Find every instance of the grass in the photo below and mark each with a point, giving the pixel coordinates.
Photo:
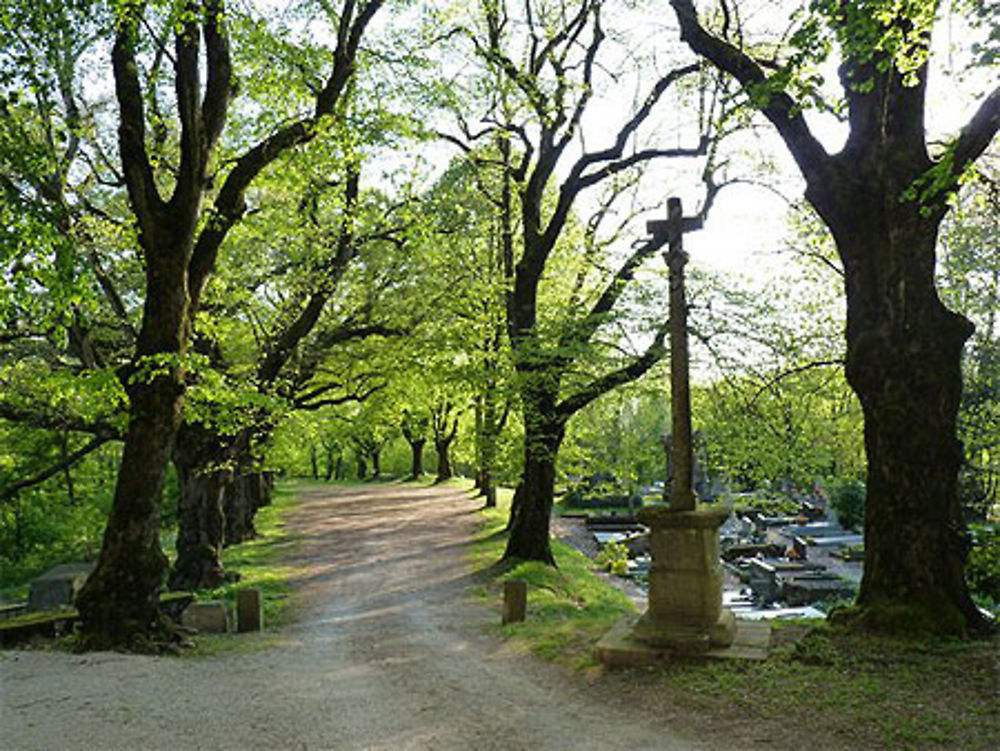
(829, 689)
(569, 608)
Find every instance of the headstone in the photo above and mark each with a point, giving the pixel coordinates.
(207, 617)
(515, 601)
(58, 587)
(249, 610)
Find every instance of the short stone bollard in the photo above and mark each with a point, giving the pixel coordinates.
(515, 601)
(249, 610)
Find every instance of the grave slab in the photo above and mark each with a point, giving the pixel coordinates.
(618, 648)
(58, 587)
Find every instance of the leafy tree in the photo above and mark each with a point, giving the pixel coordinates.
(883, 197)
(542, 69)
(179, 236)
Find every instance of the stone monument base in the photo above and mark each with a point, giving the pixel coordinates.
(618, 648)
(686, 638)
(685, 612)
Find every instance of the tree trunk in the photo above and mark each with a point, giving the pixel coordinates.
(376, 457)
(904, 350)
(417, 461)
(242, 498)
(362, 467)
(478, 433)
(314, 462)
(488, 449)
(201, 522)
(444, 471)
(530, 515)
(328, 475)
(119, 604)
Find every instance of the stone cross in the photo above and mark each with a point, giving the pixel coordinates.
(682, 497)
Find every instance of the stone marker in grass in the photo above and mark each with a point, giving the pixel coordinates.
(249, 610)
(515, 601)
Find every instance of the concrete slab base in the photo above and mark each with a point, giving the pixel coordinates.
(618, 649)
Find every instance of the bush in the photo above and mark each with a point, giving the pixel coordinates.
(982, 569)
(613, 557)
(848, 499)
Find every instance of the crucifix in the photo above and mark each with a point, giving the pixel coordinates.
(682, 497)
(684, 613)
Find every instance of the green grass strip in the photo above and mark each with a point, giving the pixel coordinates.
(569, 608)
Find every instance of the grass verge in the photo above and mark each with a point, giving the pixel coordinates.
(569, 608)
(829, 689)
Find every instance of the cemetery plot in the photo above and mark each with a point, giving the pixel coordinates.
(777, 566)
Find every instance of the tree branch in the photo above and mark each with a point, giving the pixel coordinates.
(778, 107)
(977, 134)
(10, 491)
(230, 204)
(653, 354)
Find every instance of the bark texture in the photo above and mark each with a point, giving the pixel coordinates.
(199, 458)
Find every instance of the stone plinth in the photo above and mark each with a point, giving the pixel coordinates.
(685, 612)
(206, 617)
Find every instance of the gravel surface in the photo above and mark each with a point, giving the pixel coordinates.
(391, 652)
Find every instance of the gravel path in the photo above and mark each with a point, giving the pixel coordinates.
(391, 653)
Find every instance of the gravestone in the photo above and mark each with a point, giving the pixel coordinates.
(58, 587)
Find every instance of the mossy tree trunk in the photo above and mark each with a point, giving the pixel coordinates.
(199, 457)
(532, 510)
(904, 350)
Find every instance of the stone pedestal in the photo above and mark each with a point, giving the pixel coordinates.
(685, 611)
(206, 617)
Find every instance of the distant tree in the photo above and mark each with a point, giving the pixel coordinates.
(444, 426)
(414, 427)
(970, 282)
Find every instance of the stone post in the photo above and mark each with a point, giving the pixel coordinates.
(249, 610)
(515, 601)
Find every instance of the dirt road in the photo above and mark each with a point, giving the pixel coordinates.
(391, 653)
